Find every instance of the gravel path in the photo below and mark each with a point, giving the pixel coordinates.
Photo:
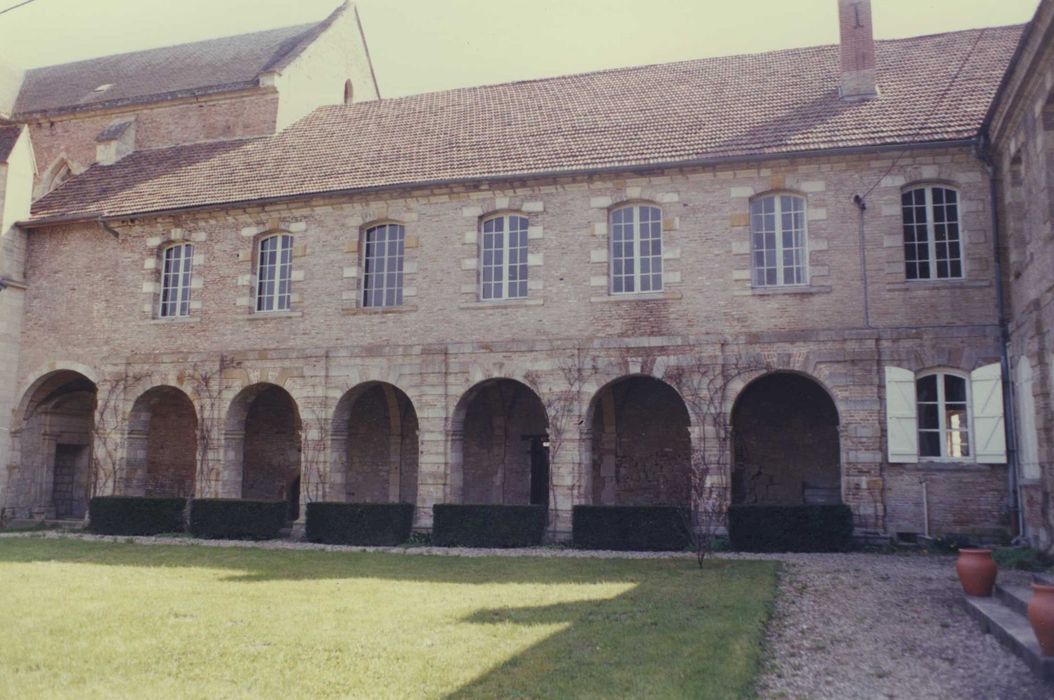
(845, 626)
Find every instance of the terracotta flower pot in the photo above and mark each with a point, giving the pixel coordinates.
(1041, 615)
(976, 571)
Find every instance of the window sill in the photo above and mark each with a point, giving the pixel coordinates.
(500, 303)
(642, 296)
(265, 315)
(947, 465)
(921, 285)
(175, 320)
(375, 310)
(791, 289)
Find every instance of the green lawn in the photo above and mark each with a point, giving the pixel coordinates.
(85, 619)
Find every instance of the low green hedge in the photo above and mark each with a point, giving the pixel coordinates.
(812, 528)
(236, 519)
(135, 515)
(366, 524)
(456, 525)
(631, 528)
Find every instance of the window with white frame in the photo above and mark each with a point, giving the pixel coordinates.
(636, 249)
(503, 257)
(932, 244)
(176, 268)
(274, 270)
(382, 263)
(943, 416)
(778, 240)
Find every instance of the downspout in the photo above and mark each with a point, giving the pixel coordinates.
(1009, 417)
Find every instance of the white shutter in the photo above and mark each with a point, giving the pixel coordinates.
(986, 388)
(902, 434)
(1027, 439)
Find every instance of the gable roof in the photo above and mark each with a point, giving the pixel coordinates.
(186, 70)
(8, 138)
(933, 89)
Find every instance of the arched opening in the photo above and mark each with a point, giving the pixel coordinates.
(642, 447)
(54, 447)
(374, 446)
(501, 445)
(162, 444)
(785, 437)
(265, 419)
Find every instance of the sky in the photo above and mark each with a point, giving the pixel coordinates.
(426, 45)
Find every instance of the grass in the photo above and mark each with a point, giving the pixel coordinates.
(87, 619)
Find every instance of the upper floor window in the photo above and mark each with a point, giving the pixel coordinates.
(503, 252)
(777, 233)
(177, 263)
(932, 247)
(943, 416)
(274, 269)
(636, 249)
(382, 263)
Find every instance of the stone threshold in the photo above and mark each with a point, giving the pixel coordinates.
(1004, 616)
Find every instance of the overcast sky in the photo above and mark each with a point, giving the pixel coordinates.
(425, 45)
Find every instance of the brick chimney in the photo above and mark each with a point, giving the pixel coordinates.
(858, 50)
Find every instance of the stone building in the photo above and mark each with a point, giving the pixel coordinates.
(778, 267)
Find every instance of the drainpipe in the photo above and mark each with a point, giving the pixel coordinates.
(1009, 418)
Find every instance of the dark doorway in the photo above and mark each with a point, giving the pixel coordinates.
(65, 494)
(539, 469)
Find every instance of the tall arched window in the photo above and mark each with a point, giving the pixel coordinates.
(503, 257)
(382, 262)
(177, 264)
(778, 240)
(943, 415)
(932, 246)
(274, 263)
(636, 249)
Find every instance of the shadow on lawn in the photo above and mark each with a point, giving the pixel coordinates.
(676, 631)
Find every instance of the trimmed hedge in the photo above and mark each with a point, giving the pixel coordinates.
(456, 525)
(134, 515)
(366, 524)
(812, 528)
(236, 519)
(631, 528)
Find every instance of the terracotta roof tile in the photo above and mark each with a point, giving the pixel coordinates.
(933, 88)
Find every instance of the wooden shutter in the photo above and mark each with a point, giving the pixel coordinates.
(986, 388)
(902, 430)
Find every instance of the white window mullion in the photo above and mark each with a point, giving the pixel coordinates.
(931, 232)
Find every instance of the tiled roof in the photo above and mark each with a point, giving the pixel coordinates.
(203, 67)
(8, 138)
(934, 88)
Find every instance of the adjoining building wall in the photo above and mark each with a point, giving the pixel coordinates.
(1022, 134)
(443, 341)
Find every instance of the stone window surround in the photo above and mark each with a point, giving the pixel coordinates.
(601, 206)
(470, 291)
(250, 255)
(352, 294)
(806, 247)
(153, 269)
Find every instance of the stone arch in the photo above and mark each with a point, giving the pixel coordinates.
(641, 443)
(499, 445)
(162, 444)
(374, 445)
(60, 170)
(786, 442)
(52, 446)
(262, 446)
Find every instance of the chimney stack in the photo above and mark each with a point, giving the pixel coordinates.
(858, 50)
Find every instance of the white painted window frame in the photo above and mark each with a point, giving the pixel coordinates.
(637, 255)
(275, 301)
(506, 265)
(777, 197)
(942, 428)
(390, 280)
(931, 232)
(178, 282)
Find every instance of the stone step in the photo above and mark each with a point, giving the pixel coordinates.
(1014, 597)
(1012, 629)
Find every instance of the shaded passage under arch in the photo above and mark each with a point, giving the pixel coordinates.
(375, 447)
(641, 444)
(162, 444)
(785, 432)
(503, 445)
(272, 447)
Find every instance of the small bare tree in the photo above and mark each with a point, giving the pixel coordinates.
(314, 455)
(207, 384)
(110, 432)
(562, 407)
(706, 388)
